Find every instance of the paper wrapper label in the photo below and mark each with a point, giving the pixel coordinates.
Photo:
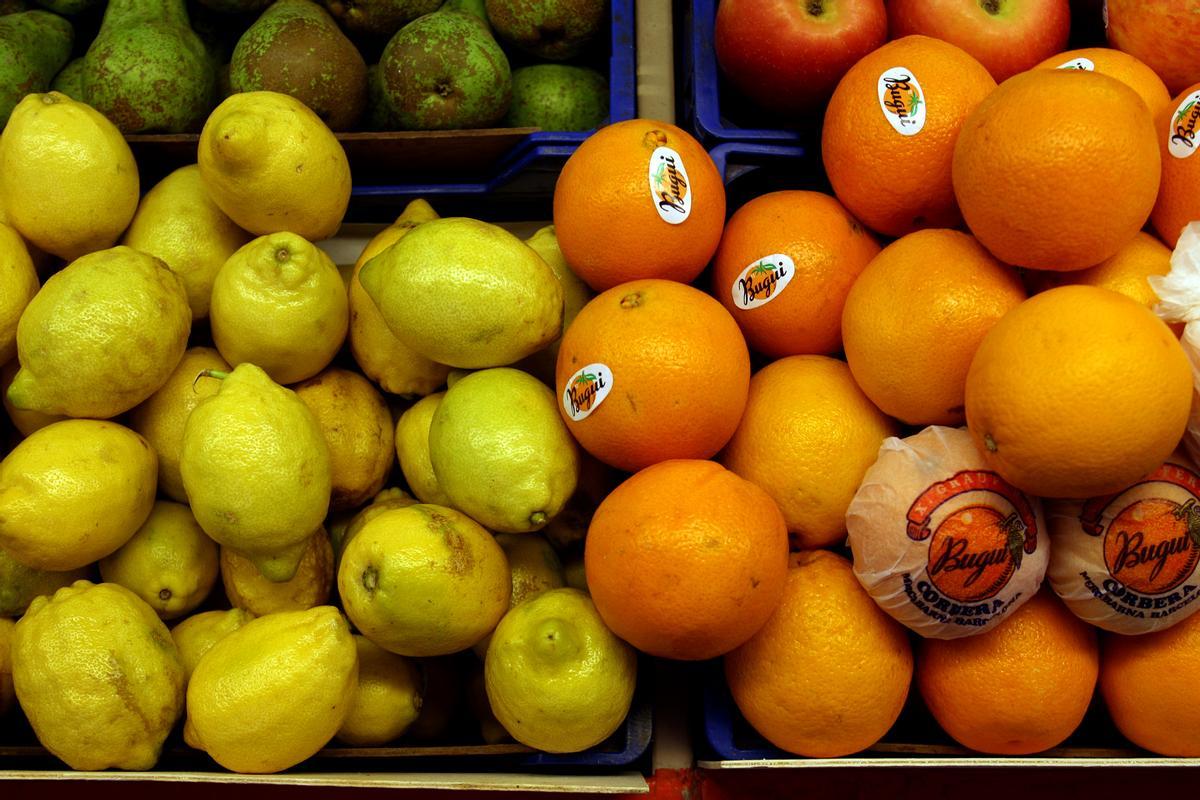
(943, 544)
(1130, 562)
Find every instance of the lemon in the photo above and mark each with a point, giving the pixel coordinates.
(8, 696)
(247, 588)
(197, 634)
(388, 698)
(178, 223)
(412, 450)
(18, 285)
(272, 165)
(466, 293)
(441, 695)
(534, 567)
(501, 451)
(98, 676)
(67, 176)
(256, 470)
(162, 416)
(273, 692)
(490, 729)
(23, 419)
(170, 563)
(576, 294)
(557, 678)
(74, 492)
(279, 303)
(424, 581)
(383, 358)
(20, 584)
(101, 336)
(358, 429)
(384, 501)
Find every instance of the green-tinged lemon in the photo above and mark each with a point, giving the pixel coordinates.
(246, 587)
(18, 285)
(575, 296)
(388, 699)
(412, 450)
(197, 634)
(24, 420)
(20, 584)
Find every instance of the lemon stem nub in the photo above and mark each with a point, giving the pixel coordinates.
(209, 373)
(537, 517)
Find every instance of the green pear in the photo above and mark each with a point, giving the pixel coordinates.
(379, 17)
(34, 45)
(69, 81)
(557, 97)
(551, 29)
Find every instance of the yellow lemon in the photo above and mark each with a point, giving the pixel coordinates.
(358, 429)
(384, 501)
(20, 584)
(424, 581)
(18, 285)
(576, 294)
(247, 588)
(197, 634)
(534, 567)
(67, 176)
(101, 336)
(388, 698)
(273, 692)
(24, 420)
(162, 416)
(74, 492)
(279, 303)
(179, 223)
(272, 165)
(412, 450)
(557, 678)
(170, 563)
(98, 676)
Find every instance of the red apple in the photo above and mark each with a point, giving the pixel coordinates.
(1163, 34)
(788, 55)
(1006, 36)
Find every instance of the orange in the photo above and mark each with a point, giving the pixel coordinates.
(1057, 169)
(1178, 202)
(807, 437)
(686, 560)
(887, 144)
(1115, 64)
(1151, 684)
(829, 672)
(1022, 688)
(651, 370)
(639, 199)
(916, 315)
(1078, 392)
(784, 266)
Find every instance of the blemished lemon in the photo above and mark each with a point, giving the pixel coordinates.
(18, 285)
(396, 367)
(170, 563)
(197, 634)
(273, 692)
(101, 336)
(179, 223)
(358, 429)
(74, 492)
(272, 165)
(23, 419)
(388, 698)
(424, 581)
(162, 416)
(535, 568)
(279, 303)
(67, 176)
(19, 584)
(557, 678)
(412, 450)
(123, 671)
(246, 587)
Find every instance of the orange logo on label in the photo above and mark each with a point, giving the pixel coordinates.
(1182, 135)
(586, 390)
(975, 550)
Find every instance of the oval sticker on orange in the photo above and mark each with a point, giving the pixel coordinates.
(762, 281)
(586, 390)
(669, 187)
(1182, 141)
(902, 100)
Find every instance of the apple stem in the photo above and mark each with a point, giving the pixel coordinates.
(209, 373)
(816, 7)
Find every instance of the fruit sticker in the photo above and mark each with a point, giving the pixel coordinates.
(762, 281)
(902, 101)
(586, 390)
(669, 187)
(1127, 562)
(1085, 64)
(1182, 141)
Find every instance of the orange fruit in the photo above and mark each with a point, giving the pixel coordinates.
(639, 199)
(1151, 684)
(807, 437)
(686, 560)
(1115, 64)
(887, 144)
(1078, 392)
(1022, 688)
(1178, 202)
(784, 266)
(652, 370)
(916, 315)
(828, 674)
(1057, 169)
